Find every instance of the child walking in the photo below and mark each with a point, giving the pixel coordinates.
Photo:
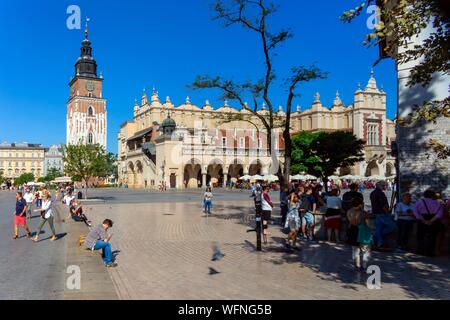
(293, 221)
(359, 235)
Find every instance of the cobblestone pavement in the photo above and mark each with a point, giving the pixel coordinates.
(28, 270)
(166, 250)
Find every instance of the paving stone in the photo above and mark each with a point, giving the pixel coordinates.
(169, 257)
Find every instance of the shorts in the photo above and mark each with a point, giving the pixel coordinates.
(20, 221)
(266, 215)
(363, 250)
(308, 219)
(333, 219)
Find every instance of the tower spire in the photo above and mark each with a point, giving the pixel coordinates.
(86, 66)
(86, 30)
(372, 84)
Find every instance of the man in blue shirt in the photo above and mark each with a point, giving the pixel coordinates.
(380, 208)
(20, 218)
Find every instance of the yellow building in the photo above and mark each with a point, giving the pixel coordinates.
(188, 146)
(19, 158)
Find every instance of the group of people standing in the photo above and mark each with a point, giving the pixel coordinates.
(429, 216)
(430, 213)
(300, 204)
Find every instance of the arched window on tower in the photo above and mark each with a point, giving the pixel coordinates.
(90, 138)
(90, 112)
(372, 135)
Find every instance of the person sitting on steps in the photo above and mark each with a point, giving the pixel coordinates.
(98, 239)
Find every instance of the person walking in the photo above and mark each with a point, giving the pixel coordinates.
(20, 216)
(284, 204)
(404, 213)
(429, 214)
(380, 208)
(308, 210)
(36, 198)
(267, 207)
(293, 221)
(46, 216)
(207, 201)
(28, 196)
(40, 197)
(98, 239)
(333, 215)
(359, 235)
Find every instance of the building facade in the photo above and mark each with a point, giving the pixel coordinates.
(188, 146)
(420, 168)
(53, 159)
(86, 108)
(19, 158)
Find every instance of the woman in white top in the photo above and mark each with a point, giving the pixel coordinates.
(333, 215)
(46, 216)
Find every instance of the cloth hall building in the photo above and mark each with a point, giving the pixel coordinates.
(189, 146)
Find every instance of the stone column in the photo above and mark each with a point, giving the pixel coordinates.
(203, 180)
(225, 179)
(264, 170)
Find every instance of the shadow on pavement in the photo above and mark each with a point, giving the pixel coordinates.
(420, 277)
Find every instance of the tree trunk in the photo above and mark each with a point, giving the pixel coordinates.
(285, 179)
(86, 189)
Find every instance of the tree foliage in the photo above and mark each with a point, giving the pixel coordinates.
(402, 21)
(112, 169)
(24, 179)
(254, 16)
(83, 162)
(52, 174)
(322, 153)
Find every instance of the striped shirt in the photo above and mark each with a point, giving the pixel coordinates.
(97, 233)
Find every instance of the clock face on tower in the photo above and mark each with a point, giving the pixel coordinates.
(90, 86)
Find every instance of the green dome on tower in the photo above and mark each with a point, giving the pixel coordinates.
(168, 122)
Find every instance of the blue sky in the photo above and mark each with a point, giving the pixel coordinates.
(165, 44)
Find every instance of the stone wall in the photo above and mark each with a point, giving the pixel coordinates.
(419, 167)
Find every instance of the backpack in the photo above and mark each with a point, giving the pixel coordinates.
(258, 198)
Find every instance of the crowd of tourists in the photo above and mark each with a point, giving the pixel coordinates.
(365, 230)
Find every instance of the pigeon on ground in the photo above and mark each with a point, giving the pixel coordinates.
(217, 255)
